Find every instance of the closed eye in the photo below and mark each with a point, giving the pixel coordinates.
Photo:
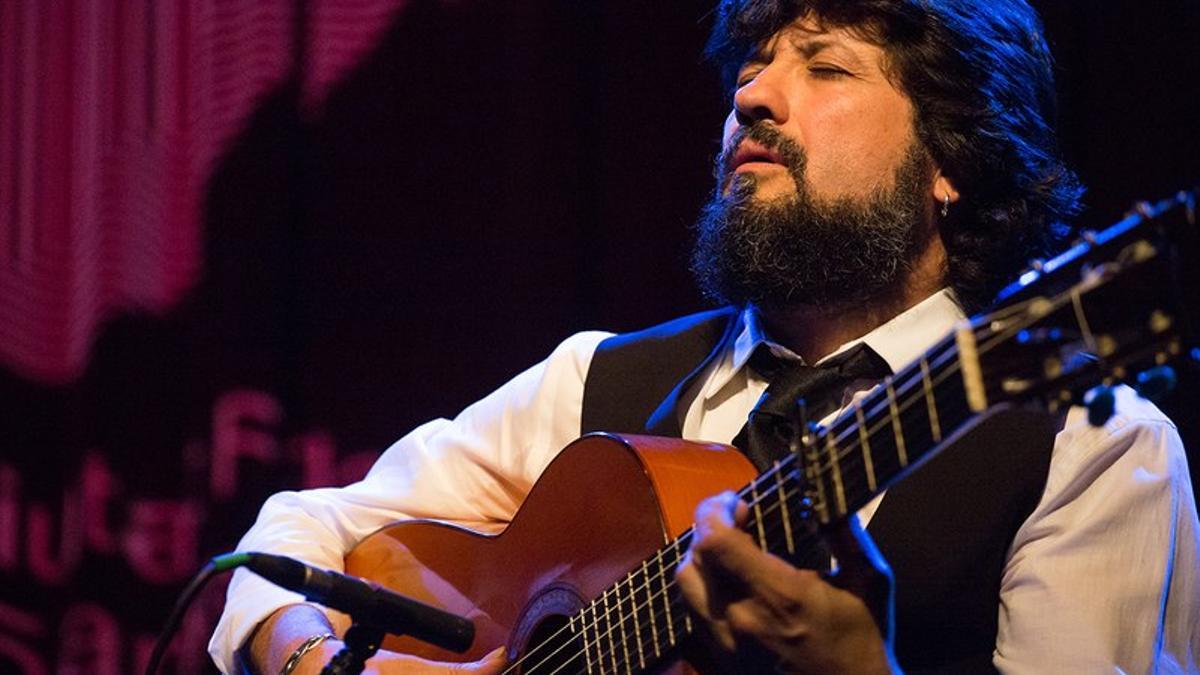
(827, 72)
(746, 78)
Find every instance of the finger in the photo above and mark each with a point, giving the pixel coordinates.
(719, 543)
(490, 664)
(703, 592)
(691, 583)
(734, 558)
(717, 513)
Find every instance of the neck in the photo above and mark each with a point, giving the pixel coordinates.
(814, 332)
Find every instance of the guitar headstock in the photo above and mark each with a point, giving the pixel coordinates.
(1120, 305)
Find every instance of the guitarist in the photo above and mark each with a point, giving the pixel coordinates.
(887, 165)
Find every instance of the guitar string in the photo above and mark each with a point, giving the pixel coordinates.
(946, 351)
(902, 407)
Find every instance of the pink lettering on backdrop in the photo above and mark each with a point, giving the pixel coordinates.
(317, 451)
(23, 658)
(159, 539)
(99, 486)
(243, 426)
(318, 456)
(162, 540)
(10, 517)
(18, 629)
(355, 465)
(52, 563)
(89, 642)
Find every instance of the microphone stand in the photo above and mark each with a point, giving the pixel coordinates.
(361, 643)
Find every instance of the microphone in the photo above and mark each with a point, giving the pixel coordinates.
(367, 603)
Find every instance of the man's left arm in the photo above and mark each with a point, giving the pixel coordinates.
(1103, 576)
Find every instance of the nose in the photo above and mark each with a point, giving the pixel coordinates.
(762, 98)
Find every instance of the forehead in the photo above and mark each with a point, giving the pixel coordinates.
(809, 35)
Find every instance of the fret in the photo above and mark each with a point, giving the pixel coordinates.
(835, 466)
(972, 372)
(650, 609)
(756, 504)
(897, 427)
(662, 579)
(934, 426)
(637, 624)
(612, 644)
(865, 442)
(781, 495)
(622, 627)
(582, 632)
(595, 641)
(812, 470)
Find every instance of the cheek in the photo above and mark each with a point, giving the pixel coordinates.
(861, 148)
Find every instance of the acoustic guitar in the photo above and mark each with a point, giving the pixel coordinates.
(582, 579)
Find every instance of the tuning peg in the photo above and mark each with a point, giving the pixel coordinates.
(1156, 383)
(1101, 403)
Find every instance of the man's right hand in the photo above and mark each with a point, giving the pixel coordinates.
(277, 637)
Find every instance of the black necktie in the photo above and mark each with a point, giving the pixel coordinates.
(771, 426)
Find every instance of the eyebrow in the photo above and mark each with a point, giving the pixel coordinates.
(810, 47)
(807, 46)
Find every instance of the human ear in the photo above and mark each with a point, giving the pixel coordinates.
(944, 191)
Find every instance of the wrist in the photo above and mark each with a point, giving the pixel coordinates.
(281, 634)
(310, 644)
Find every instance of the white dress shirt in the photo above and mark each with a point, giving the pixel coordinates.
(1104, 576)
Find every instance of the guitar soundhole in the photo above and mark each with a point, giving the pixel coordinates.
(550, 648)
(544, 640)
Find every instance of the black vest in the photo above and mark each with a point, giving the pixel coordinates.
(945, 530)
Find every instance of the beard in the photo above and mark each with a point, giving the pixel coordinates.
(799, 250)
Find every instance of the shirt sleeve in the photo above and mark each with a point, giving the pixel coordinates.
(474, 469)
(1102, 577)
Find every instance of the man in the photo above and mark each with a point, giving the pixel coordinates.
(886, 165)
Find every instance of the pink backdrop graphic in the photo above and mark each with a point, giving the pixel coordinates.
(114, 114)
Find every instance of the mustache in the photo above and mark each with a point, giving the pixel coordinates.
(770, 137)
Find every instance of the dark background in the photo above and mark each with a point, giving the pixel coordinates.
(491, 178)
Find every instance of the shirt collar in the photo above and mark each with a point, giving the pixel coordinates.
(899, 341)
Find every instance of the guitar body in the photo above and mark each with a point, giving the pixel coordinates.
(603, 506)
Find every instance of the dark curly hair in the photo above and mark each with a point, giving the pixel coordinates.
(981, 81)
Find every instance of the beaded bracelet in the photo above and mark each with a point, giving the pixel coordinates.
(304, 648)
